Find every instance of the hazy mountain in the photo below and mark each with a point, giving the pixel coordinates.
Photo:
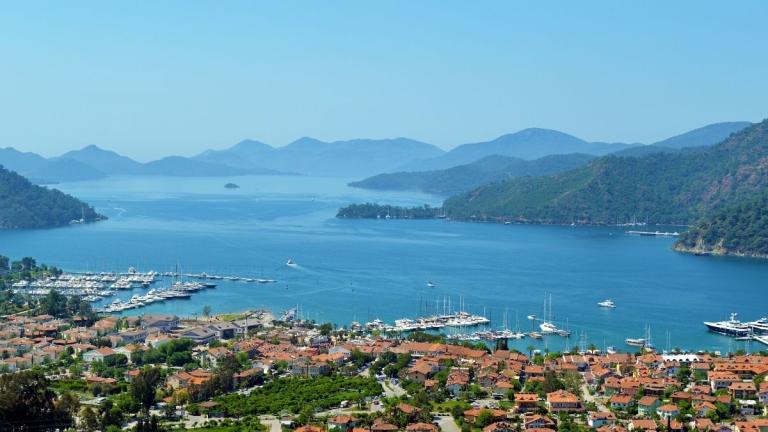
(675, 188)
(41, 170)
(104, 160)
(25, 205)
(527, 144)
(703, 136)
(246, 154)
(311, 156)
(185, 167)
(462, 178)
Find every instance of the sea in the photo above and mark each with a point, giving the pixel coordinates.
(360, 270)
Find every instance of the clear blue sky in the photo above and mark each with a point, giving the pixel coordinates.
(154, 78)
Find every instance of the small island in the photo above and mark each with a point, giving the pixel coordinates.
(377, 211)
(231, 186)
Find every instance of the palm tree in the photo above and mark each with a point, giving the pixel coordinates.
(530, 349)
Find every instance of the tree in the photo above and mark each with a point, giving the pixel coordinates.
(207, 311)
(143, 387)
(54, 304)
(88, 420)
(484, 418)
(27, 395)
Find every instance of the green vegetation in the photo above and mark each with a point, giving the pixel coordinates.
(296, 394)
(376, 211)
(736, 230)
(673, 188)
(28, 403)
(463, 178)
(25, 205)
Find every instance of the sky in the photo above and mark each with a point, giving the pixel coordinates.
(149, 79)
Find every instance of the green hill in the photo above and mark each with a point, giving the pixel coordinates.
(24, 205)
(676, 188)
(738, 230)
(462, 178)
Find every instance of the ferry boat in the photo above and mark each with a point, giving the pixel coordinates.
(607, 303)
(732, 327)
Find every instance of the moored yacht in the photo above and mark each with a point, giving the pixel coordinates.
(732, 327)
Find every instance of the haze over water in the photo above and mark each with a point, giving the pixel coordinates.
(364, 269)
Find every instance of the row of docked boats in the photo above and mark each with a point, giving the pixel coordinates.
(457, 319)
(179, 290)
(206, 276)
(734, 327)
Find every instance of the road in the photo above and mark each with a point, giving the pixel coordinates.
(392, 390)
(448, 424)
(589, 398)
(272, 422)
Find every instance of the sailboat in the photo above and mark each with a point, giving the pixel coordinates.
(547, 327)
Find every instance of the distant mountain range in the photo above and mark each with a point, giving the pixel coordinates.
(25, 205)
(462, 178)
(675, 188)
(309, 156)
(495, 167)
(350, 158)
(533, 143)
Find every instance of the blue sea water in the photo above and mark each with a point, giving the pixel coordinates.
(364, 269)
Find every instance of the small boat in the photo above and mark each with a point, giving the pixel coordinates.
(607, 303)
(611, 350)
(430, 284)
(639, 342)
(535, 335)
(531, 317)
(290, 262)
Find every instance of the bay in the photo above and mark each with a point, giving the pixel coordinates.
(365, 269)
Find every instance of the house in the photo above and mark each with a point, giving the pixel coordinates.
(762, 393)
(198, 335)
(563, 401)
(621, 401)
(703, 408)
(157, 340)
(702, 424)
(647, 405)
(309, 428)
(526, 402)
(421, 427)
(98, 354)
(420, 372)
(598, 419)
(223, 330)
(129, 375)
(742, 390)
(381, 426)
(343, 423)
(668, 411)
(500, 427)
(537, 421)
(470, 415)
(642, 425)
(162, 323)
(133, 336)
(721, 380)
(183, 379)
(457, 381)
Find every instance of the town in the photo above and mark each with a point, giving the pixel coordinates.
(248, 371)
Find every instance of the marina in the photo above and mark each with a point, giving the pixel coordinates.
(369, 269)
